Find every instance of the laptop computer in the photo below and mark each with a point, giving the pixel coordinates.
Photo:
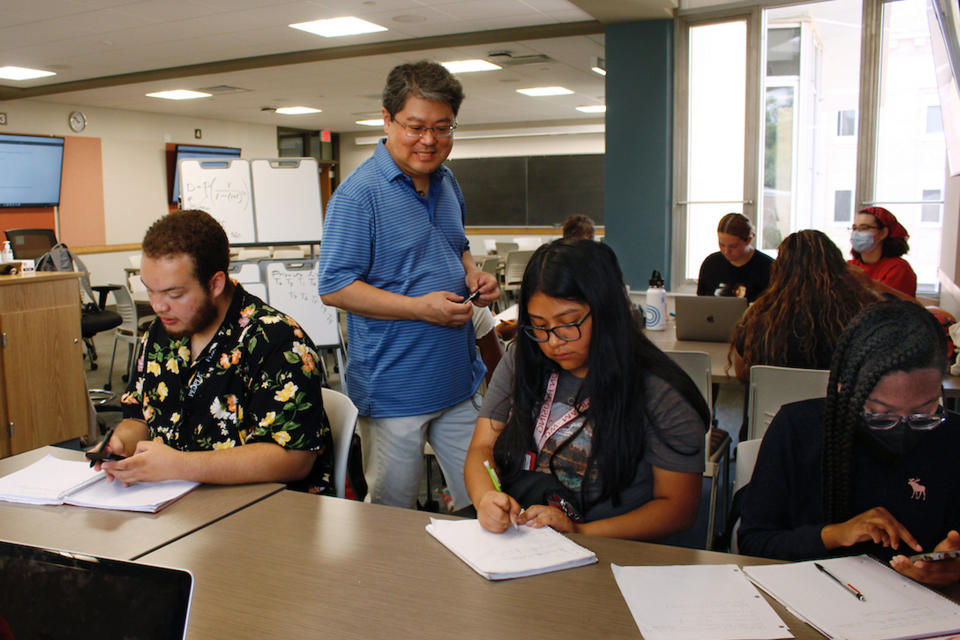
(708, 318)
(46, 593)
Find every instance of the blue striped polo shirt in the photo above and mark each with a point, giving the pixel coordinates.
(378, 230)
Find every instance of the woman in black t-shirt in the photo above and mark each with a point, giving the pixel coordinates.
(738, 269)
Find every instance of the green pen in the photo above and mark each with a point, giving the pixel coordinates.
(493, 476)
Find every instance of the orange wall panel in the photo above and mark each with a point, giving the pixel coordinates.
(81, 193)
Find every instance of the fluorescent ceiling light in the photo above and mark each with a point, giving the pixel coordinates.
(334, 27)
(373, 122)
(296, 111)
(179, 94)
(545, 91)
(599, 70)
(468, 66)
(593, 108)
(22, 73)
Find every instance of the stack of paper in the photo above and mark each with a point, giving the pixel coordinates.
(517, 552)
(697, 602)
(51, 480)
(893, 606)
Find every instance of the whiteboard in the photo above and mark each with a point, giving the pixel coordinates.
(292, 289)
(222, 189)
(286, 199)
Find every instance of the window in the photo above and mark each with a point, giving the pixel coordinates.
(847, 122)
(934, 119)
(931, 212)
(843, 205)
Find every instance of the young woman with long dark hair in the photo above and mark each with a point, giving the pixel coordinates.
(873, 467)
(590, 427)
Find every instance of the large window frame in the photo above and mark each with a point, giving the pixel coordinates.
(867, 114)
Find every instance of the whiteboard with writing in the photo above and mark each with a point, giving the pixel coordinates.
(292, 289)
(286, 199)
(222, 189)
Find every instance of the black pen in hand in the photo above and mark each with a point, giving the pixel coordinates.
(98, 453)
(472, 296)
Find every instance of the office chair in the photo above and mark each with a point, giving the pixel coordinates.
(30, 244)
(343, 422)
(772, 387)
(128, 332)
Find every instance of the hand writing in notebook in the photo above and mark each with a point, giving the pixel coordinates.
(540, 515)
(497, 511)
(152, 461)
(941, 574)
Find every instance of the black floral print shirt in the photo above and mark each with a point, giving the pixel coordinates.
(256, 381)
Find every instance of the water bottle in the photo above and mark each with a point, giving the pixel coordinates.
(6, 255)
(655, 308)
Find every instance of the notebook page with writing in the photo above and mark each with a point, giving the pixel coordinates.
(46, 481)
(146, 496)
(697, 602)
(894, 607)
(515, 553)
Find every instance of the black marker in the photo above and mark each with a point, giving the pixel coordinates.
(472, 296)
(97, 454)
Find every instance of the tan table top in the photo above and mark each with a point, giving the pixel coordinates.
(116, 534)
(302, 566)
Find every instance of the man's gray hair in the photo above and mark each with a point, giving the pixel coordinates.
(425, 79)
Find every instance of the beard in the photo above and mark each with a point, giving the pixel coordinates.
(202, 318)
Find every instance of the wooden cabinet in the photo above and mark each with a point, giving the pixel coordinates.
(42, 388)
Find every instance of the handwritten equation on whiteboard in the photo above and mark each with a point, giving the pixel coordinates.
(222, 189)
(294, 292)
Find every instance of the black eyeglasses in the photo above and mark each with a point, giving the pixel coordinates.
(569, 332)
(917, 421)
(863, 227)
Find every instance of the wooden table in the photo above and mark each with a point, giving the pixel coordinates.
(116, 534)
(302, 566)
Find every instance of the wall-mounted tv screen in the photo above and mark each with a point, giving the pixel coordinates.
(195, 151)
(30, 168)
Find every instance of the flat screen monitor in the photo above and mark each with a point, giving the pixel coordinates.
(30, 168)
(194, 151)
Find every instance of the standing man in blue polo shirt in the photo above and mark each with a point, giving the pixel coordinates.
(395, 256)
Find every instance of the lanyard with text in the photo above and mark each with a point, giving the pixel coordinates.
(542, 433)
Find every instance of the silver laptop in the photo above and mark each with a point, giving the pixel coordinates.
(46, 593)
(708, 318)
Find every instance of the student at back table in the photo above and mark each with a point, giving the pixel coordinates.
(591, 427)
(871, 468)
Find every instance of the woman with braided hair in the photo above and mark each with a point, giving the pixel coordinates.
(872, 467)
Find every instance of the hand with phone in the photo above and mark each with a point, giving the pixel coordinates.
(940, 567)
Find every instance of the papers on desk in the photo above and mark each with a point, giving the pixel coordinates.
(515, 553)
(51, 480)
(697, 602)
(894, 606)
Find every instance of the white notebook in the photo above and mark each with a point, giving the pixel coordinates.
(894, 607)
(515, 553)
(51, 480)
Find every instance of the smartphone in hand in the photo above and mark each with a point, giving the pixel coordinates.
(934, 556)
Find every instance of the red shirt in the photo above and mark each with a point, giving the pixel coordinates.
(893, 272)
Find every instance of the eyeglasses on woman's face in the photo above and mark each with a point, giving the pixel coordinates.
(569, 332)
(863, 227)
(916, 421)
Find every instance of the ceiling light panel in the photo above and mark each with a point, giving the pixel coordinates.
(22, 73)
(469, 66)
(296, 111)
(373, 122)
(336, 27)
(178, 94)
(593, 108)
(545, 91)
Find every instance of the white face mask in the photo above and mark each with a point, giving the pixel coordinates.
(862, 241)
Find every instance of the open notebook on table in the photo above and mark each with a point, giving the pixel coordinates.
(894, 607)
(51, 480)
(515, 553)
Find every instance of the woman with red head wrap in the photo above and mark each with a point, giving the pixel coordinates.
(878, 242)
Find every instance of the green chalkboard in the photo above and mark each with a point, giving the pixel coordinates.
(530, 190)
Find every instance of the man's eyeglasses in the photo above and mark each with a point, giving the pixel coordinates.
(569, 332)
(863, 227)
(418, 131)
(917, 421)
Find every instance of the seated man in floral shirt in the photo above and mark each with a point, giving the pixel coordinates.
(226, 389)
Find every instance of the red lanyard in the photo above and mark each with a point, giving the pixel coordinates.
(542, 433)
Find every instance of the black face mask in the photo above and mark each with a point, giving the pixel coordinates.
(898, 441)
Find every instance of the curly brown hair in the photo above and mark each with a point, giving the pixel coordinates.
(811, 298)
(194, 233)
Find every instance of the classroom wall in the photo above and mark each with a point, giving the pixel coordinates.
(134, 174)
(352, 154)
